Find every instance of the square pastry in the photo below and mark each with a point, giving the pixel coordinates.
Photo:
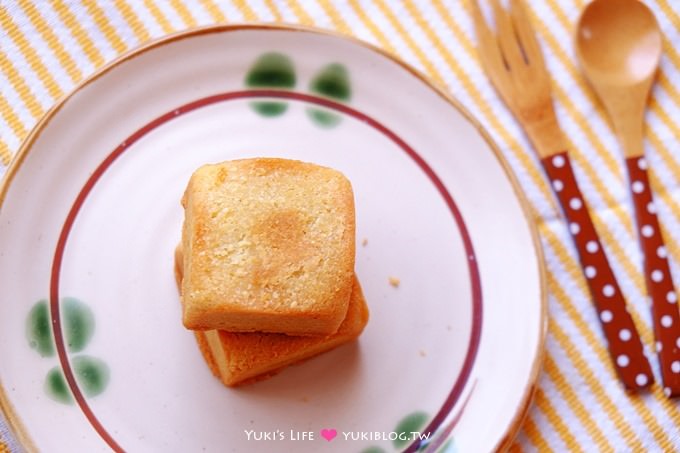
(269, 246)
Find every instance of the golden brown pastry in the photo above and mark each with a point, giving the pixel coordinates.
(269, 246)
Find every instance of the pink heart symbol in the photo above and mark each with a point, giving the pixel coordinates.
(328, 434)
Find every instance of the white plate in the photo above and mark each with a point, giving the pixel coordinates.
(90, 211)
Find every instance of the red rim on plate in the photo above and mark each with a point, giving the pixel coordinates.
(475, 333)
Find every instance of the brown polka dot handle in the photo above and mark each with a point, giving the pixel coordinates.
(660, 287)
(625, 347)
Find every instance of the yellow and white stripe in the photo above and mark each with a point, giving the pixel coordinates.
(46, 50)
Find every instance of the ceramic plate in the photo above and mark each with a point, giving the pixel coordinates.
(90, 217)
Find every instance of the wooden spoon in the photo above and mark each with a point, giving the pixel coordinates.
(618, 43)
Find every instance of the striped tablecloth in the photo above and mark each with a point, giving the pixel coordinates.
(47, 47)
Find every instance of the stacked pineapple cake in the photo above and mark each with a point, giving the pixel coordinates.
(266, 265)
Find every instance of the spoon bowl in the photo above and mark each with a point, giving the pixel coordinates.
(618, 41)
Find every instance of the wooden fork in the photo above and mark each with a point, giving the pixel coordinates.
(513, 61)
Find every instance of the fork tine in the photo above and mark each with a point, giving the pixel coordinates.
(489, 53)
(527, 37)
(507, 38)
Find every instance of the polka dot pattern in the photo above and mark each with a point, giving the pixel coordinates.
(657, 275)
(661, 251)
(651, 207)
(592, 247)
(625, 335)
(591, 272)
(575, 203)
(574, 228)
(557, 185)
(625, 347)
(642, 163)
(675, 367)
(558, 161)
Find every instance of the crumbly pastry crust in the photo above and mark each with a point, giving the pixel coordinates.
(270, 247)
